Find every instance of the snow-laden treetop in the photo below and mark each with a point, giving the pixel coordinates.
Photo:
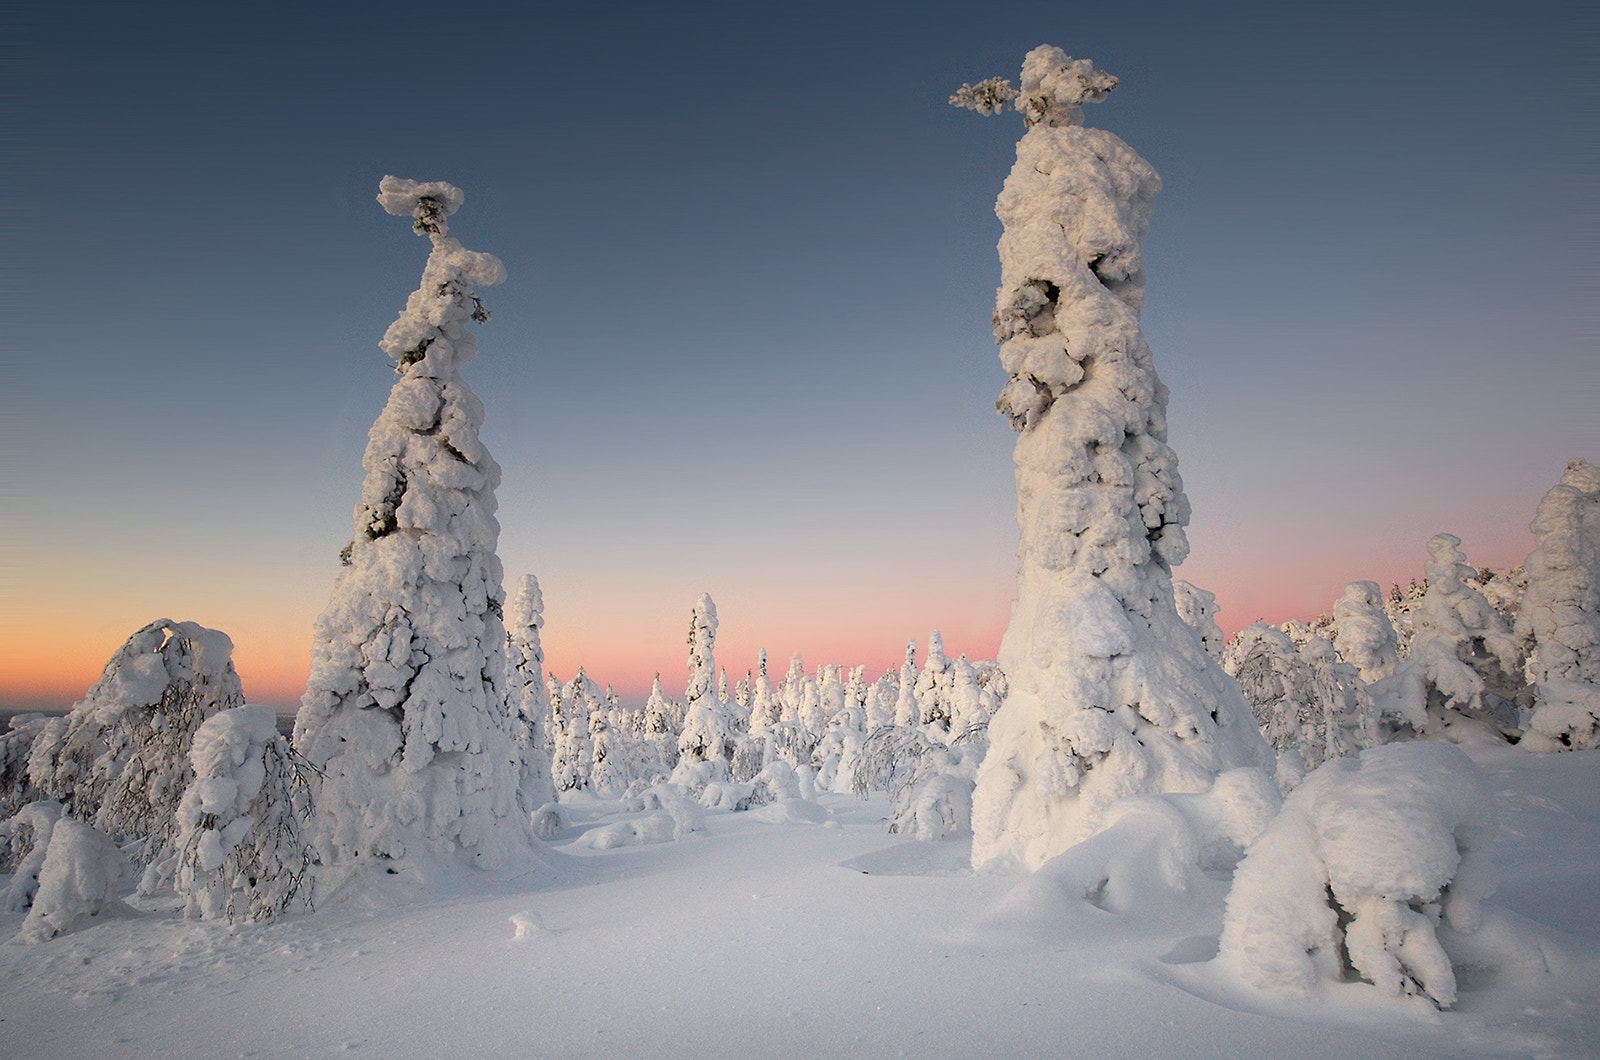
(1054, 88)
(445, 299)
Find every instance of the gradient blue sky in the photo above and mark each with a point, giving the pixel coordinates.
(744, 344)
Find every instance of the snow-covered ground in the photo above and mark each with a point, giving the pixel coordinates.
(795, 929)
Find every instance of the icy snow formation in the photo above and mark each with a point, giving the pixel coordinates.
(120, 759)
(405, 714)
(1111, 694)
(1376, 862)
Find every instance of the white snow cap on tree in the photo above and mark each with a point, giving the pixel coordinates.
(405, 714)
(1111, 694)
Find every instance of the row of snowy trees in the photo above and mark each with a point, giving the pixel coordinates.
(1466, 654)
(835, 730)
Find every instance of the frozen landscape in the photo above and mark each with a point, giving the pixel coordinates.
(1379, 829)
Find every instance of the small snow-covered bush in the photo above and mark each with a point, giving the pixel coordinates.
(243, 852)
(120, 759)
(77, 881)
(1368, 867)
(24, 838)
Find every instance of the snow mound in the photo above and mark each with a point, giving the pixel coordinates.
(1374, 867)
(77, 882)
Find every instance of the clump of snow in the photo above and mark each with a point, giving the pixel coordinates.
(1110, 693)
(77, 881)
(1368, 863)
(242, 851)
(405, 716)
(120, 759)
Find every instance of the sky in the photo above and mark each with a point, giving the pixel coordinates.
(744, 346)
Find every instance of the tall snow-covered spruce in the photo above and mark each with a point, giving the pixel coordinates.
(405, 715)
(1111, 694)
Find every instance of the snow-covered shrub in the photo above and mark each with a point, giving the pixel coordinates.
(243, 852)
(120, 759)
(1567, 717)
(405, 715)
(77, 881)
(1369, 866)
(1111, 694)
(1462, 674)
(24, 838)
(1198, 609)
(1559, 620)
(1311, 706)
(16, 745)
(1362, 633)
(929, 785)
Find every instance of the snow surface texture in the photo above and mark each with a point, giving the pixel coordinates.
(1111, 694)
(1374, 863)
(242, 852)
(120, 759)
(405, 712)
(755, 938)
(1560, 614)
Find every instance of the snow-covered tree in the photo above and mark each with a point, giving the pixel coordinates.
(243, 852)
(572, 756)
(1463, 670)
(1558, 622)
(1198, 609)
(120, 759)
(79, 879)
(529, 701)
(765, 708)
(707, 735)
(1111, 694)
(907, 712)
(1311, 706)
(1362, 633)
(16, 745)
(1559, 619)
(405, 715)
(935, 689)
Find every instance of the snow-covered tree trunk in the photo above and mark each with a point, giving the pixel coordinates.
(1111, 694)
(405, 714)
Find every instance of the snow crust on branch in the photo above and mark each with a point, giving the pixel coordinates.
(405, 713)
(1111, 694)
